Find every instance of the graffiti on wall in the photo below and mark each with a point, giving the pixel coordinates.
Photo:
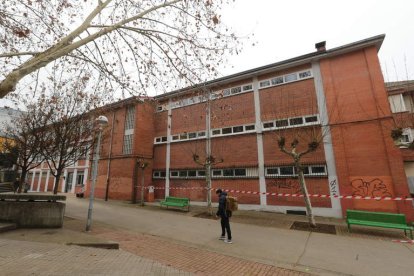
(287, 184)
(114, 185)
(333, 187)
(375, 187)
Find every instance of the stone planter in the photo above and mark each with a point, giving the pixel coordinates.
(33, 210)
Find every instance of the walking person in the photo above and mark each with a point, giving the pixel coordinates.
(225, 215)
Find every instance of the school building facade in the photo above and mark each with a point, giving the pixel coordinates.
(339, 92)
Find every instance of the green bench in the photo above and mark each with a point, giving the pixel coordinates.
(377, 219)
(176, 202)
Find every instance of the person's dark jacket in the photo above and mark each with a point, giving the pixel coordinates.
(222, 212)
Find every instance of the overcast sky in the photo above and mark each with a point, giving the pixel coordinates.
(286, 29)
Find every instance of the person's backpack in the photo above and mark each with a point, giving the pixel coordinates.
(231, 203)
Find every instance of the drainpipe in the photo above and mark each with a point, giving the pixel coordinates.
(108, 174)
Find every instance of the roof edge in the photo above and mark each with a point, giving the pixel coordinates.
(281, 65)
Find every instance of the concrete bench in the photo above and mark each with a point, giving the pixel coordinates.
(378, 219)
(176, 202)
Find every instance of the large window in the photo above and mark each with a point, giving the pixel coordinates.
(129, 130)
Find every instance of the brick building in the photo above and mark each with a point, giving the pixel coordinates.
(339, 92)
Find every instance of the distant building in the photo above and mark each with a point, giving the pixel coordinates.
(341, 90)
(401, 98)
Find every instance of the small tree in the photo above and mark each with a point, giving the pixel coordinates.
(22, 146)
(312, 137)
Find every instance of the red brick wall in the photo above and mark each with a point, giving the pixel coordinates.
(364, 152)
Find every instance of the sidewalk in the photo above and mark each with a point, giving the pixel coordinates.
(263, 245)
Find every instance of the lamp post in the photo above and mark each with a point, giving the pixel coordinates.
(101, 121)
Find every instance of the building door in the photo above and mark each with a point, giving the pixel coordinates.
(68, 182)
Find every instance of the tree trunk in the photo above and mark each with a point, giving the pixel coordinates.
(22, 180)
(305, 193)
(57, 181)
(208, 182)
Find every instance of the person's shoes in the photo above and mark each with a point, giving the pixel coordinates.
(222, 238)
(228, 241)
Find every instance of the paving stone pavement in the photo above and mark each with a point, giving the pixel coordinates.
(195, 260)
(34, 258)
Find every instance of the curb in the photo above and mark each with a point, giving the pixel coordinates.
(105, 245)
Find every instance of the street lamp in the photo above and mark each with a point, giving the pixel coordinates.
(101, 121)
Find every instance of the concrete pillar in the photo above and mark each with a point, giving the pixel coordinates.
(39, 182)
(327, 141)
(65, 178)
(167, 159)
(259, 139)
(75, 175)
(32, 182)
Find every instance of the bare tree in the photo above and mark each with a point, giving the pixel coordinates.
(69, 125)
(131, 45)
(312, 138)
(22, 145)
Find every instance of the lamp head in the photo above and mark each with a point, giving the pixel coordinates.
(102, 121)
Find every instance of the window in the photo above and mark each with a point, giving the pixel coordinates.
(174, 173)
(237, 129)
(217, 172)
(265, 83)
(216, 131)
(201, 173)
(272, 171)
(286, 170)
(127, 148)
(183, 174)
(226, 92)
(397, 103)
(176, 137)
(249, 127)
(201, 134)
(282, 123)
(156, 174)
(79, 178)
(158, 140)
(192, 135)
(163, 174)
(290, 77)
(228, 172)
(235, 90)
(318, 170)
(276, 81)
(159, 108)
(296, 121)
(192, 173)
(164, 139)
(305, 74)
(226, 130)
(183, 136)
(268, 125)
(247, 87)
(130, 117)
(311, 119)
(240, 172)
(129, 130)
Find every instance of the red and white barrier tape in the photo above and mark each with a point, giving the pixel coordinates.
(386, 198)
(404, 241)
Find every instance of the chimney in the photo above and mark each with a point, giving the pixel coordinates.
(320, 46)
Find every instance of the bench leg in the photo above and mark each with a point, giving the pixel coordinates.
(349, 228)
(411, 234)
